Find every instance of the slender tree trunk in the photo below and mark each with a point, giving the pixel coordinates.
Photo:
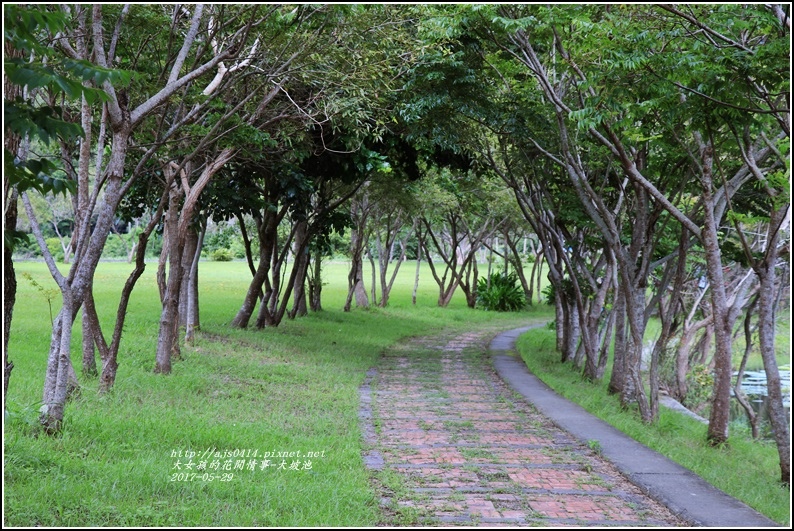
(519, 268)
(356, 276)
(618, 377)
(89, 332)
(752, 417)
(534, 276)
(635, 305)
(683, 352)
(192, 318)
(301, 251)
(180, 261)
(605, 339)
(316, 285)
(167, 344)
(110, 354)
(386, 285)
(560, 329)
(53, 409)
(766, 337)
(246, 243)
(252, 295)
(418, 264)
(188, 259)
(571, 330)
(720, 405)
(373, 277)
(273, 305)
(267, 234)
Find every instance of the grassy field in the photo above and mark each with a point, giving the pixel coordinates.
(294, 389)
(289, 389)
(746, 469)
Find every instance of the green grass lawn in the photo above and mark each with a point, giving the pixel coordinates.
(288, 389)
(746, 469)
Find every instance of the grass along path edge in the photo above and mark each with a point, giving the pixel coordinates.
(745, 469)
(121, 459)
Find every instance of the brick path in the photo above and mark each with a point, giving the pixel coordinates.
(450, 444)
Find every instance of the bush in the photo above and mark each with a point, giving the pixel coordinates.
(504, 294)
(116, 246)
(221, 255)
(54, 245)
(27, 248)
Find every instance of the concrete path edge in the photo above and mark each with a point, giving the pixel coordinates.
(682, 491)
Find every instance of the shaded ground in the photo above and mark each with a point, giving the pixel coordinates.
(451, 444)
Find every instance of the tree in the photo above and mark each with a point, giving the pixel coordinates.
(613, 125)
(123, 113)
(31, 118)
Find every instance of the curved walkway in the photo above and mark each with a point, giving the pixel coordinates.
(684, 492)
(451, 444)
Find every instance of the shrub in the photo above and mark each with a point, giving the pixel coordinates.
(502, 294)
(116, 246)
(700, 385)
(26, 248)
(221, 255)
(54, 245)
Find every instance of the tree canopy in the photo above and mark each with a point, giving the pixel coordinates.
(634, 145)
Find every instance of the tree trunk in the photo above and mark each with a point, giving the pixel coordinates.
(356, 276)
(766, 337)
(9, 288)
(418, 264)
(11, 142)
(373, 277)
(246, 243)
(89, 352)
(167, 344)
(316, 284)
(180, 261)
(301, 251)
(752, 417)
(559, 325)
(618, 377)
(683, 351)
(720, 405)
(386, 285)
(635, 306)
(570, 330)
(249, 302)
(605, 339)
(268, 238)
(519, 268)
(110, 354)
(192, 321)
(188, 259)
(62, 382)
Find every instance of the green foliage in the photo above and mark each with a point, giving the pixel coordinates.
(548, 293)
(28, 30)
(221, 255)
(502, 294)
(700, 382)
(55, 248)
(118, 245)
(49, 293)
(675, 435)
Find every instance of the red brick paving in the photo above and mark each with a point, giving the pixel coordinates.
(467, 453)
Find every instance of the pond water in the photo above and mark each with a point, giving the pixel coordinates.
(755, 387)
